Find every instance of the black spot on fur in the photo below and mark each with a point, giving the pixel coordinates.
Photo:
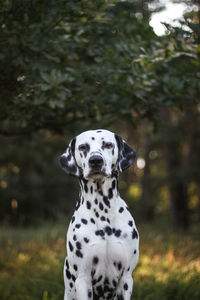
(91, 189)
(85, 185)
(110, 193)
(71, 285)
(134, 234)
(96, 201)
(67, 264)
(105, 200)
(97, 214)
(78, 245)
(125, 286)
(92, 220)
(130, 223)
(101, 207)
(99, 279)
(135, 252)
(99, 232)
(114, 283)
(74, 237)
(113, 184)
(70, 246)
(103, 218)
(78, 226)
(121, 209)
(73, 278)
(75, 267)
(118, 233)
(73, 219)
(119, 266)
(68, 274)
(108, 230)
(89, 294)
(95, 260)
(79, 253)
(88, 205)
(92, 274)
(84, 221)
(86, 240)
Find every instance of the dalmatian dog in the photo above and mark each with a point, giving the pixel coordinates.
(102, 239)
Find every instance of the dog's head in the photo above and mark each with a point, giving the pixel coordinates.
(96, 154)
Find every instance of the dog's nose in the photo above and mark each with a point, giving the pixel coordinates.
(96, 161)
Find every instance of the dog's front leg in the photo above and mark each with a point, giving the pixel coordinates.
(84, 287)
(125, 287)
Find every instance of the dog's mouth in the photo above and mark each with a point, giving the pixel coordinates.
(97, 174)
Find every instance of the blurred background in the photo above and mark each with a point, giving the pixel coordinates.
(126, 66)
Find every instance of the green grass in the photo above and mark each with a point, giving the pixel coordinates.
(31, 262)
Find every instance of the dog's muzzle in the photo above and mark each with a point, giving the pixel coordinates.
(96, 163)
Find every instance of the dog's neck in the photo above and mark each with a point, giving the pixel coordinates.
(97, 189)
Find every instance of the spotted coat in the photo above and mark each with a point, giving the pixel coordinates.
(102, 239)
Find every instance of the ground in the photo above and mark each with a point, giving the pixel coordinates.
(31, 263)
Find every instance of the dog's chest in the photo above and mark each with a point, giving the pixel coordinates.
(102, 236)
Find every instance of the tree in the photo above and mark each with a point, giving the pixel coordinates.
(62, 61)
(173, 71)
(66, 63)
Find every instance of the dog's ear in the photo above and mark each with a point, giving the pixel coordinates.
(67, 160)
(126, 154)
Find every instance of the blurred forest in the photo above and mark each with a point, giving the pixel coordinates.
(69, 66)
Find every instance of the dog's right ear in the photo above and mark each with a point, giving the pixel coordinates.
(67, 160)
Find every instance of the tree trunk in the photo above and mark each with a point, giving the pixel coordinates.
(177, 181)
(147, 207)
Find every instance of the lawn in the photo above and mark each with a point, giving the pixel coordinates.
(31, 264)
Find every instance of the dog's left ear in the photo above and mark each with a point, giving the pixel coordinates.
(67, 160)
(126, 155)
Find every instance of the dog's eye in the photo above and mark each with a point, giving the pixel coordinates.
(83, 147)
(107, 145)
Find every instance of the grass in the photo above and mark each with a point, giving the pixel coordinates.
(31, 263)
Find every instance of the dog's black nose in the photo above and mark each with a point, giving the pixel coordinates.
(96, 161)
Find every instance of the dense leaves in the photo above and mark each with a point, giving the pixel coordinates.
(70, 61)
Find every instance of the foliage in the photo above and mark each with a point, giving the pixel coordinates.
(68, 62)
(59, 53)
(32, 260)
(172, 69)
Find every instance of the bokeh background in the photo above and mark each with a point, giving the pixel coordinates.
(70, 66)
